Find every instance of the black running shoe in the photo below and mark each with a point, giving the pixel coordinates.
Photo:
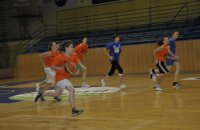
(177, 85)
(42, 98)
(39, 95)
(76, 112)
(57, 99)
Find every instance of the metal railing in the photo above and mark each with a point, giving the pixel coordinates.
(41, 32)
(166, 14)
(147, 16)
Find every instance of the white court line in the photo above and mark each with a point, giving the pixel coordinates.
(9, 91)
(192, 78)
(17, 124)
(4, 86)
(67, 117)
(142, 125)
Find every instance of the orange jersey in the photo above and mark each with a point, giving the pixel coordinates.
(59, 61)
(49, 59)
(161, 54)
(80, 49)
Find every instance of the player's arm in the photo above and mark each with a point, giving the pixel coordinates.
(55, 64)
(85, 49)
(84, 69)
(57, 68)
(42, 56)
(160, 48)
(106, 51)
(175, 57)
(171, 57)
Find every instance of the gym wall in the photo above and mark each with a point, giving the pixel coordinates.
(135, 59)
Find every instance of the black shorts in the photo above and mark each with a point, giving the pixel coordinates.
(162, 67)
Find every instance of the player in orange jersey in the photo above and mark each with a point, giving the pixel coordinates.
(47, 58)
(161, 53)
(81, 49)
(62, 76)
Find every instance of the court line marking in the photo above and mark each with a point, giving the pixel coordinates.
(9, 124)
(71, 117)
(44, 107)
(64, 117)
(4, 86)
(10, 91)
(192, 78)
(142, 124)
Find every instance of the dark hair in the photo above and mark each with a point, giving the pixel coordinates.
(115, 36)
(174, 31)
(84, 37)
(160, 40)
(57, 42)
(66, 44)
(160, 43)
(50, 45)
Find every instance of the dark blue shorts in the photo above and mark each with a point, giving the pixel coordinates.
(169, 62)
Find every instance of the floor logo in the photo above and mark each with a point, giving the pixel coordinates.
(9, 95)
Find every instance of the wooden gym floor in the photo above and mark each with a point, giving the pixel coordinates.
(137, 107)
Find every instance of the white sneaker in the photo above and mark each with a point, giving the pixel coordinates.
(154, 78)
(157, 88)
(122, 86)
(37, 87)
(85, 85)
(152, 75)
(177, 85)
(103, 83)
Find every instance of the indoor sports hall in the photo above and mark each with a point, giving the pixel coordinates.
(99, 64)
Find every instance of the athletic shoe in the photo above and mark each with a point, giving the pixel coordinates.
(76, 112)
(85, 85)
(152, 75)
(176, 85)
(42, 98)
(39, 95)
(123, 86)
(157, 88)
(57, 99)
(154, 78)
(103, 83)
